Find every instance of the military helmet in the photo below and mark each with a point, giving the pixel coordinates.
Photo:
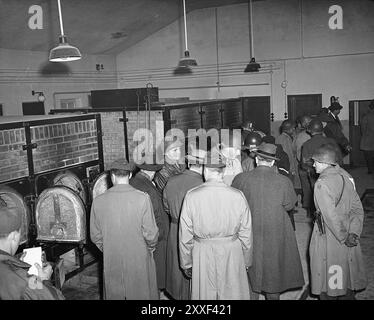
(315, 126)
(326, 153)
(252, 140)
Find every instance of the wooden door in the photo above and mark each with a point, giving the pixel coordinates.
(357, 109)
(257, 110)
(303, 104)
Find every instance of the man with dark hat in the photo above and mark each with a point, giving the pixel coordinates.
(215, 237)
(123, 226)
(336, 264)
(177, 284)
(173, 163)
(334, 128)
(282, 165)
(286, 140)
(315, 129)
(143, 182)
(276, 263)
(15, 282)
(367, 137)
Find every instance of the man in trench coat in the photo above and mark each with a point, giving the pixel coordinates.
(215, 237)
(276, 263)
(177, 284)
(123, 227)
(337, 269)
(143, 182)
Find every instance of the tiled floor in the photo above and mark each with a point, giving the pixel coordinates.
(85, 286)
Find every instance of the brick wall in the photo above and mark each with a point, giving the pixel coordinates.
(113, 137)
(113, 133)
(13, 160)
(64, 144)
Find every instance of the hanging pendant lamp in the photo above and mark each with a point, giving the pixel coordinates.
(252, 66)
(186, 61)
(64, 52)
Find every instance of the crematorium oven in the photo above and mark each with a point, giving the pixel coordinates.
(47, 167)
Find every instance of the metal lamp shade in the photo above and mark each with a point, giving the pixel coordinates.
(252, 66)
(187, 61)
(64, 52)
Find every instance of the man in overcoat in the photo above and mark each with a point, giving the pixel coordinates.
(143, 182)
(177, 284)
(286, 140)
(315, 129)
(215, 237)
(276, 263)
(334, 128)
(367, 138)
(336, 264)
(123, 227)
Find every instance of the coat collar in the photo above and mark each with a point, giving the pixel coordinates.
(9, 259)
(121, 187)
(192, 173)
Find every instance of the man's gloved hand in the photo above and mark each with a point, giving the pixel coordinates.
(188, 272)
(352, 240)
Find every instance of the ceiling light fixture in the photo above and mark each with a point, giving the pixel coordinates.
(186, 61)
(252, 66)
(40, 94)
(64, 52)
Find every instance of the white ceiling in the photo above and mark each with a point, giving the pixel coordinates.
(96, 26)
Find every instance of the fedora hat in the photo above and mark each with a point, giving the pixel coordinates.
(196, 156)
(169, 145)
(149, 167)
(214, 160)
(267, 151)
(335, 106)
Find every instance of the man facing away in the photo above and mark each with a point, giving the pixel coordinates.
(315, 129)
(286, 140)
(336, 263)
(123, 227)
(177, 284)
(215, 237)
(276, 263)
(143, 182)
(15, 282)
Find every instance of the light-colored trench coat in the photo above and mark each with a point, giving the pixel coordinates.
(215, 235)
(328, 252)
(123, 226)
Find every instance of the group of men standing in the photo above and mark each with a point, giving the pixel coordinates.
(218, 229)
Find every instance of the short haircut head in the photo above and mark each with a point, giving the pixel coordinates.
(120, 173)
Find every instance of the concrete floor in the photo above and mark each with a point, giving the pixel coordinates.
(85, 285)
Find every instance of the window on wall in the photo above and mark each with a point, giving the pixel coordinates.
(68, 103)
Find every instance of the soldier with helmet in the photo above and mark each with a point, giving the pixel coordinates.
(315, 129)
(251, 142)
(335, 247)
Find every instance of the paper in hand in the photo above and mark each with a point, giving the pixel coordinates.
(33, 255)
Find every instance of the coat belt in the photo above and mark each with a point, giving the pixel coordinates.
(228, 238)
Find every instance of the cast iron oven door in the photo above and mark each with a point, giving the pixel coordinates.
(11, 198)
(69, 179)
(101, 184)
(60, 215)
